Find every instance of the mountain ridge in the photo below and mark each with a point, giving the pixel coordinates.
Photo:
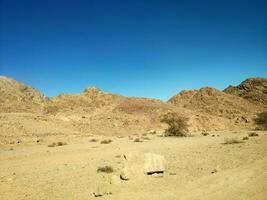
(99, 112)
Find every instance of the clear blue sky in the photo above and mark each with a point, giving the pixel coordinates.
(135, 48)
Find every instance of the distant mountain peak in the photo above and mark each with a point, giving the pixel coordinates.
(92, 89)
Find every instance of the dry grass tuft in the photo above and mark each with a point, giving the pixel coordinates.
(105, 169)
(137, 140)
(106, 141)
(54, 144)
(245, 138)
(93, 140)
(253, 134)
(205, 133)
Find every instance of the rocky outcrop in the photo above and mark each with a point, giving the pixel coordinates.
(252, 89)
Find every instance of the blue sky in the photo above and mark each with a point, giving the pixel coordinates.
(135, 48)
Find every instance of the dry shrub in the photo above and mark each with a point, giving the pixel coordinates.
(61, 143)
(177, 125)
(57, 144)
(205, 133)
(93, 140)
(105, 169)
(253, 134)
(245, 138)
(261, 120)
(106, 141)
(232, 141)
(137, 140)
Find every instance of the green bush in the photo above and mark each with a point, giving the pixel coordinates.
(177, 125)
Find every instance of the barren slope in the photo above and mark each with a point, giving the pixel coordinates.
(18, 97)
(230, 109)
(252, 89)
(96, 111)
(26, 114)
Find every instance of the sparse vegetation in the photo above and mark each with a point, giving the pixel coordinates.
(245, 138)
(261, 120)
(39, 140)
(93, 140)
(106, 141)
(105, 169)
(57, 144)
(204, 133)
(61, 143)
(137, 140)
(177, 125)
(232, 141)
(253, 134)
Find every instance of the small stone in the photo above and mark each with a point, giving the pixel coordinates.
(126, 173)
(96, 194)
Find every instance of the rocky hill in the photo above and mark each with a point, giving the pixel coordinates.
(213, 102)
(18, 97)
(25, 111)
(252, 89)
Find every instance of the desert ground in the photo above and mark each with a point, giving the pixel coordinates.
(96, 145)
(197, 167)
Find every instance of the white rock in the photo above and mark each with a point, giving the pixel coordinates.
(126, 173)
(154, 163)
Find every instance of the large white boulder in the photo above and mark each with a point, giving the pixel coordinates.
(136, 166)
(154, 163)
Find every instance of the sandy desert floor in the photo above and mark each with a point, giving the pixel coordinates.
(197, 167)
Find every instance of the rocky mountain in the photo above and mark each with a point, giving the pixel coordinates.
(25, 111)
(212, 101)
(18, 97)
(252, 89)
